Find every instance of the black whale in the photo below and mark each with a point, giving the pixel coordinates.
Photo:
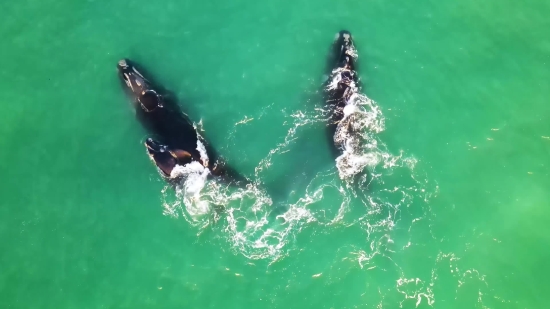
(342, 81)
(166, 158)
(177, 141)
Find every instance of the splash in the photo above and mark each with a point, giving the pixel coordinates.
(362, 119)
(355, 134)
(190, 189)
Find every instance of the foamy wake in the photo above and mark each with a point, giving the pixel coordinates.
(248, 220)
(253, 226)
(355, 134)
(395, 202)
(381, 193)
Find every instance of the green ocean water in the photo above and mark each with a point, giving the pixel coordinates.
(455, 215)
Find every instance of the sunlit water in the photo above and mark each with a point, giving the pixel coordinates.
(438, 198)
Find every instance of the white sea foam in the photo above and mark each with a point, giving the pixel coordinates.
(355, 132)
(256, 228)
(360, 190)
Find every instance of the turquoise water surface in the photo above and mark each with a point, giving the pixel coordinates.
(453, 213)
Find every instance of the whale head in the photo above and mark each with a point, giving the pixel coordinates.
(166, 158)
(137, 86)
(161, 156)
(154, 146)
(344, 53)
